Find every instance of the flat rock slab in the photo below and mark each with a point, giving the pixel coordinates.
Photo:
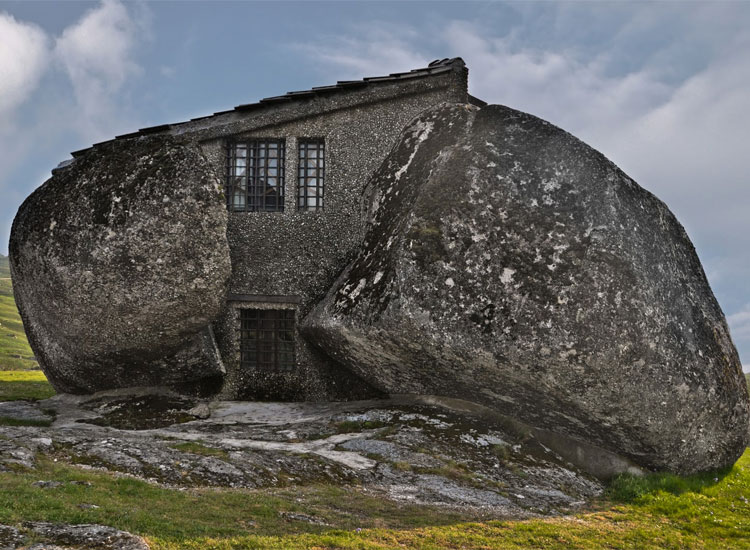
(404, 449)
(68, 537)
(24, 411)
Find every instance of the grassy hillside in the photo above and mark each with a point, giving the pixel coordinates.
(23, 384)
(657, 512)
(4, 267)
(15, 353)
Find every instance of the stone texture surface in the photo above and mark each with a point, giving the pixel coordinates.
(87, 536)
(508, 263)
(411, 450)
(120, 262)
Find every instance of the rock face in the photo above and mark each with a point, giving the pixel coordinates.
(418, 451)
(510, 264)
(119, 264)
(86, 536)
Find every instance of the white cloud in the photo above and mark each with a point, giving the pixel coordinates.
(556, 85)
(167, 72)
(24, 56)
(739, 323)
(381, 48)
(98, 55)
(692, 149)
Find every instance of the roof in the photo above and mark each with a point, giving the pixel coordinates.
(439, 66)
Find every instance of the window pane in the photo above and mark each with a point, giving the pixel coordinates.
(270, 346)
(250, 163)
(310, 175)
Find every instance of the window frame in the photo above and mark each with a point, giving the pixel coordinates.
(304, 176)
(257, 161)
(274, 327)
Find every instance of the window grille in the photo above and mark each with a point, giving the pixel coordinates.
(267, 339)
(311, 174)
(255, 178)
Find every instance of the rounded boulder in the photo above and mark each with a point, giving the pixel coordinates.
(508, 263)
(119, 263)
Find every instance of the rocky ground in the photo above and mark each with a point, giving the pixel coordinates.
(423, 451)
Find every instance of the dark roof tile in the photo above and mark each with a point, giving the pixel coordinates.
(154, 129)
(436, 67)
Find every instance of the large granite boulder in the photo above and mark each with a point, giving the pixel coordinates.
(119, 263)
(508, 263)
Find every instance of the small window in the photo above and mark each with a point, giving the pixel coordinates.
(311, 174)
(255, 176)
(267, 339)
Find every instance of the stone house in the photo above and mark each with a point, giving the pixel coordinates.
(388, 235)
(295, 169)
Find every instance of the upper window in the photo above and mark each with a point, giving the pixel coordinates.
(311, 174)
(255, 178)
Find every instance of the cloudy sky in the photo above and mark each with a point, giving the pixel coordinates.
(662, 89)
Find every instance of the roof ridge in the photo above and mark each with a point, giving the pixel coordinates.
(435, 67)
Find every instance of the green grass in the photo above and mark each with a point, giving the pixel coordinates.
(656, 512)
(173, 518)
(16, 385)
(15, 353)
(631, 489)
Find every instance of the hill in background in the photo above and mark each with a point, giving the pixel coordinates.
(15, 353)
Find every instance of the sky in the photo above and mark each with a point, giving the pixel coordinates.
(662, 89)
